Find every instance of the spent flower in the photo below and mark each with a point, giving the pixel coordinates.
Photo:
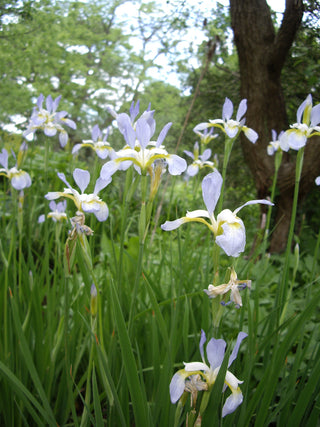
(140, 150)
(229, 126)
(19, 178)
(234, 286)
(50, 120)
(227, 227)
(98, 143)
(85, 203)
(215, 354)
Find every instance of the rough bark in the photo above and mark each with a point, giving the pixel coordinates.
(262, 53)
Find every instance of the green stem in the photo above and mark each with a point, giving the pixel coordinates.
(284, 278)
(227, 151)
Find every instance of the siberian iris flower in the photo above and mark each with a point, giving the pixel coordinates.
(317, 180)
(19, 178)
(98, 143)
(227, 227)
(206, 136)
(85, 203)
(278, 143)
(234, 285)
(215, 354)
(58, 212)
(49, 120)
(199, 160)
(231, 127)
(140, 150)
(308, 118)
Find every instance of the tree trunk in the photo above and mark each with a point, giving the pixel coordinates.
(262, 54)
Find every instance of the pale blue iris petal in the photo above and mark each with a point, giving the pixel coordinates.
(163, 134)
(315, 116)
(250, 134)
(240, 338)
(63, 138)
(254, 202)
(4, 158)
(172, 225)
(233, 239)
(108, 169)
(62, 176)
(95, 133)
(55, 103)
(215, 352)
(241, 110)
(203, 339)
(211, 188)
(76, 148)
(200, 127)
(232, 402)
(193, 169)
(103, 213)
(49, 103)
(81, 178)
(227, 109)
(143, 132)
(302, 108)
(205, 155)
(296, 139)
(176, 164)
(100, 184)
(177, 385)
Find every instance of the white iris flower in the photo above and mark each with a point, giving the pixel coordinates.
(227, 227)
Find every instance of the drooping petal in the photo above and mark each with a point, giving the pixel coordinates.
(296, 139)
(176, 164)
(250, 134)
(253, 202)
(76, 148)
(233, 238)
(63, 138)
(82, 178)
(195, 366)
(193, 169)
(172, 225)
(21, 180)
(52, 195)
(214, 291)
(100, 184)
(227, 109)
(103, 213)
(62, 176)
(198, 213)
(215, 352)
(109, 168)
(177, 385)
(201, 126)
(233, 355)
(211, 188)
(232, 402)
(241, 110)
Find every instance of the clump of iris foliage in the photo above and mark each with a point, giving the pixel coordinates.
(106, 289)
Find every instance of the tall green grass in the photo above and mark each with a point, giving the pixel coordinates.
(61, 365)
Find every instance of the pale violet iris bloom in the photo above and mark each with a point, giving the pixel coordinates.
(234, 286)
(140, 150)
(215, 353)
(98, 143)
(206, 136)
(85, 203)
(227, 227)
(278, 143)
(19, 179)
(317, 180)
(308, 119)
(231, 127)
(49, 120)
(200, 161)
(58, 212)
